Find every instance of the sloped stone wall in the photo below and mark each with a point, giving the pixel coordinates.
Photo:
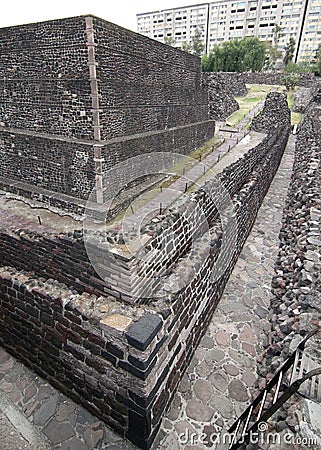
(275, 114)
(66, 85)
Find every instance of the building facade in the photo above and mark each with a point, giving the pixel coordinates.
(223, 20)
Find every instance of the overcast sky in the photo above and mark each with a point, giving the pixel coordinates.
(121, 12)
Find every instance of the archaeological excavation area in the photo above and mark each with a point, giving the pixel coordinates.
(129, 184)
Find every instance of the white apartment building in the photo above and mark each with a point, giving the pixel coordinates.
(222, 20)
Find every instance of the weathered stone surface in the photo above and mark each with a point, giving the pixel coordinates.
(203, 390)
(198, 411)
(237, 390)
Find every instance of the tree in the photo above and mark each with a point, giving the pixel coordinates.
(273, 53)
(169, 40)
(197, 43)
(291, 81)
(317, 65)
(252, 54)
(196, 46)
(289, 51)
(247, 54)
(186, 47)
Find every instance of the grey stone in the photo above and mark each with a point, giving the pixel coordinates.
(214, 355)
(203, 390)
(222, 405)
(94, 434)
(219, 381)
(207, 342)
(46, 410)
(237, 390)
(58, 432)
(73, 444)
(141, 333)
(261, 312)
(198, 411)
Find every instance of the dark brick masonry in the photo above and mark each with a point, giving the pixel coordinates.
(67, 85)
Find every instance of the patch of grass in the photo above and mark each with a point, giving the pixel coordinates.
(256, 93)
(295, 118)
(207, 148)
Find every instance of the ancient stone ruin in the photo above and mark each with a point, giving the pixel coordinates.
(113, 328)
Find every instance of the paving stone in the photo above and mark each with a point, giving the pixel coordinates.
(219, 381)
(203, 390)
(204, 369)
(30, 391)
(207, 342)
(46, 410)
(249, 378)
(237, 390)
(231, 369)
(198, 411)
(83, 416)
(248, 335)
(261, 312)
(73, 444)
(214, 355)
(183, 427)
(223, 405)
(65, 409)
(58, 432)
(93, 434)
(223, 338)
(249, 348)
(44, 392)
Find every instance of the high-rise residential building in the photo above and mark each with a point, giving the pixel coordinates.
(222, 20)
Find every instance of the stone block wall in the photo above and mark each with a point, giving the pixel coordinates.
(275, 113)
(306, 79)
(66, 85)
(60, 165)
(44, 78)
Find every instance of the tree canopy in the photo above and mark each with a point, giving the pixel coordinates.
(289, 51)
(237, 55)
(317, 65)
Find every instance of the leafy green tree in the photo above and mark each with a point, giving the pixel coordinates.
(252, 54)
(169, 40)
(291, 81)
(289, 51)
(186, 47)
(273, 53)
(247, 54)
(197, 44)
(292, 67)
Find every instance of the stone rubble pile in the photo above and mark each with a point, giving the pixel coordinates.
(221, 96)
(275, 113)
(302, 99)
(295, 306)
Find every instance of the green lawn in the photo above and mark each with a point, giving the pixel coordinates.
(256, 93)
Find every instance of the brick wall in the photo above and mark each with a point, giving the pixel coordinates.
(68, 84)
